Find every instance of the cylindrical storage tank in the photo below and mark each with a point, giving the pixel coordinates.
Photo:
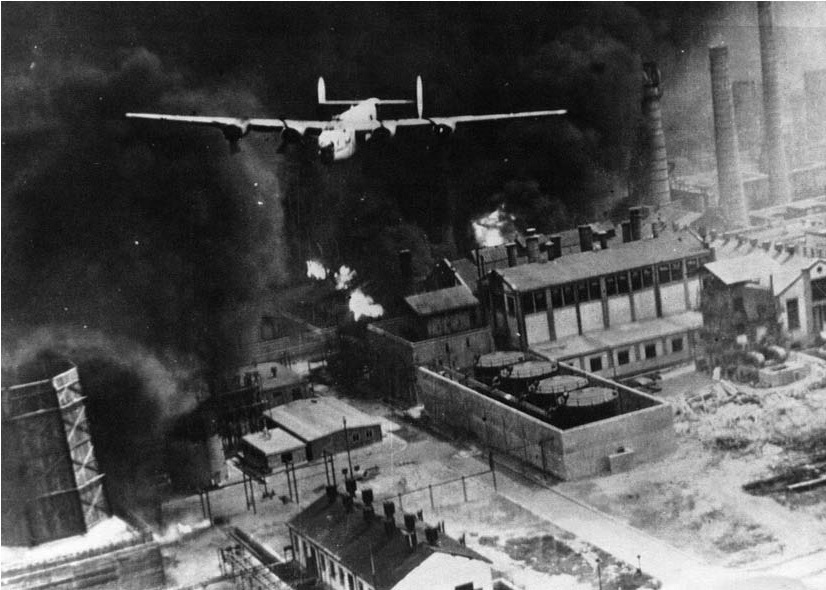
(517, 378)
(549, 392)
(587, 405)
(490, 365)
(52, 485)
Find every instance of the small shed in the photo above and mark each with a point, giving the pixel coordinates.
(269, 450)
(444, 311)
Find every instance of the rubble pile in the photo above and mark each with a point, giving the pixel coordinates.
(732, 416)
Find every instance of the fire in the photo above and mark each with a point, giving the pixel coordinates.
(316, 270)
(362, 304)
(344, 277)
(488, 229)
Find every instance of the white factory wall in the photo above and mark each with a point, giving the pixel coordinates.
(672, 298)
(619, 310)
(565, 322)
(536, 325)
(645, 307)
(591, 315)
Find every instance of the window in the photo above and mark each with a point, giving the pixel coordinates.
(355, 437)
(738, 305)
(622, 282)
(540, 300)
(595, 362)
(623, 357)
(510, 303)
(677, 344)
(527, 303)
(350, 584)
(332, 570)
(677, 271)
(610, 285)
(341, 575)
(556, 297)
(447, 348)
(819, 289)
(793, 314)
(636, 280)
(568, 294)
(594, 290)
(650, 351)
(582, 291)
(692, 267)
(369, 434)
(664, 273)
(647, 277)
(267, 328)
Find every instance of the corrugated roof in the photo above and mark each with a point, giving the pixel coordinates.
(466, 271)
(314, 418)
(277, 441)
(363, 546)
(754, 268)
(583, 265)
(441, 300)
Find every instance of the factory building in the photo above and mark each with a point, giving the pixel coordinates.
(622, 310)
(347, 546)
(761, 282)
(444, 327)
(52, 484)
(270, 449)
(57, 529)
(324, 425)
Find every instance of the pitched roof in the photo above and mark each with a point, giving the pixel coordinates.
(584, 265)
(467, 272)
(364, 546)
(441, 300)
(316, 417)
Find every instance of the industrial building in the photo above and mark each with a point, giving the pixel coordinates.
(57, 529)
(617, 311)
(347, 546)
(444, 327)
(768, 281)
(53, 486)
(324, 425)
(270, 449)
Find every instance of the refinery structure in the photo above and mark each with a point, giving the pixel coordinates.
(636, 400)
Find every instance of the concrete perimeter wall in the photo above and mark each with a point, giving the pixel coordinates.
(644, 433)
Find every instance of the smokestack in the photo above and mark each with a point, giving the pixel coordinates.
(510, 248)
(814, 84)
(658, 187)
(586, 238)
(533, 248)
(777, 165)
(747, 117)
(635, 215)
(626, 231)
(729, 180)
(555, 247)
(406, 266)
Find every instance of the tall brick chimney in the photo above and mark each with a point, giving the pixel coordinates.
(729, 180)
(658, 188)
(776, 163)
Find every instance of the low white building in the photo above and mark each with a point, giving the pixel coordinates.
(349, 547)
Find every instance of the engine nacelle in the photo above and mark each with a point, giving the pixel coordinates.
(233, 133)
(385, 132)
(442, 127)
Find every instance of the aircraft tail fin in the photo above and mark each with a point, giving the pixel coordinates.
(322, 97)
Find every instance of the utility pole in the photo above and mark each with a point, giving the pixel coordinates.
(347, 446)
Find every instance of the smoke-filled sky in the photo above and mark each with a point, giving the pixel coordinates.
(158, 236)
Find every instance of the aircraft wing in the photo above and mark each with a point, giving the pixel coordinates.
(453, 121)
(228, 123)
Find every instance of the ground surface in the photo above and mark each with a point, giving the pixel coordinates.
(686, 516)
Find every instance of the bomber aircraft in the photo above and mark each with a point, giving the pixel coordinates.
(335, 139)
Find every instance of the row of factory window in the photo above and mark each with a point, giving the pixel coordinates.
(336, 575)
(649, 351)
(619, 283)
